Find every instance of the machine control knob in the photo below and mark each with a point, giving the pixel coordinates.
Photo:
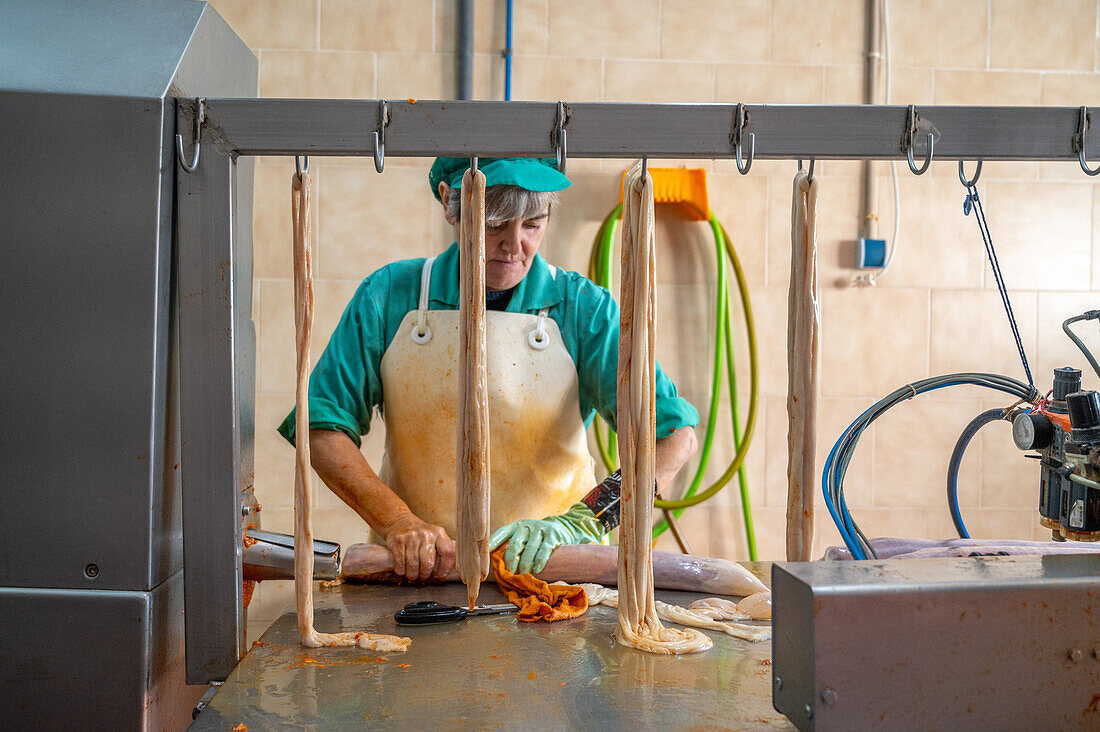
(1032, 431)
(1066, 381)
(1084, 416)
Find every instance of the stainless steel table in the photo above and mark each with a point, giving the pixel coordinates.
(487, 673)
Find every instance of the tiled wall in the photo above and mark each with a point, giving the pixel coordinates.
(935, 311)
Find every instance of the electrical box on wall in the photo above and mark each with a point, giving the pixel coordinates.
(870, 253)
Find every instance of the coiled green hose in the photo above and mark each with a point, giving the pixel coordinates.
(599, 271)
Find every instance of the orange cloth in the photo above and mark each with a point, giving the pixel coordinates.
(536, 599)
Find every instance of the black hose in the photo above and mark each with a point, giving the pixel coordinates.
(1090, 315)
(967, 435)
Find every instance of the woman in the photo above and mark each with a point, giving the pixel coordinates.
(552, 342)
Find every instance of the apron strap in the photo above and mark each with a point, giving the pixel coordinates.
(539, 339)
(422, 333)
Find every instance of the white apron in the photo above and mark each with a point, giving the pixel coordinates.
(539, 459)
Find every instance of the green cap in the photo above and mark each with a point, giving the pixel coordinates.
(532, 174)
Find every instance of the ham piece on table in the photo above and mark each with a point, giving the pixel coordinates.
(586, 563)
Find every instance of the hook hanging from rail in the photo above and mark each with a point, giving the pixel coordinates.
(200, 118)
(299, 168)
(561, 136)
(380, 135)
(473, 163)
(911, 119)
(740, 121)
(973, 181)
(1079, 143)
(810, 172)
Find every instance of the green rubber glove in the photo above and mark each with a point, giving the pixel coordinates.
(531, 541)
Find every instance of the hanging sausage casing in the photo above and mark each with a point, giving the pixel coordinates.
(472, 484)
(803, 336)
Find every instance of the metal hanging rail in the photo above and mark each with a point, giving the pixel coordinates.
(611, 130)
(213, 204)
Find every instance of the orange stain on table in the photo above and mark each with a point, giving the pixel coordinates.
(531, 675)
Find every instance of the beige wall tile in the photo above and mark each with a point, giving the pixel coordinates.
(769, 308)
(1028, 220)
(939, 247)
(770, 524)
(872, 340)
(658, 81)
(369, 220)
(988, 523)
(838, 226)
(275, 328)
(1056, 34)
(934, 33)
(1055, 349)
(701, 30)
(685, 335)
(833, 417)
(427, 76)
(490, 24)
(271, 235)
(913, 444)
(909, 86)
(377, 25)
(317, 75)
(1009, 480)
(1002, 88)
(609, 29)
(274, 455)
(770, 83)
(576, 220)
(273, 24)
(740, 203)
(970, 331)
(1070, 90)
(536, 78)
(1095, 239)
(831, 33)
(843, 85)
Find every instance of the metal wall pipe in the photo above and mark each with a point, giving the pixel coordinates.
(464, 49)
(868, 226)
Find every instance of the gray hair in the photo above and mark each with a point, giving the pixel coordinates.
(506, 203)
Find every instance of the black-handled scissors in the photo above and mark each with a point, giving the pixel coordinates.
(426, 612)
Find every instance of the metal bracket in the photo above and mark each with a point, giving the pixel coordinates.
(912, 118)
(559, 135)
(740, 122)
(196, 137)
(380, 135)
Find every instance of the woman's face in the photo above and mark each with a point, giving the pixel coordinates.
(510, 247)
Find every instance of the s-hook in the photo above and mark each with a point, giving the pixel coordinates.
(810, 172)
(639, 184)
(1079, 143)
(740, 121)
(473, 163)
(560, 133)
(911, 118)
(380, 135)
(200, 118)
(298, 167)
(973, 181)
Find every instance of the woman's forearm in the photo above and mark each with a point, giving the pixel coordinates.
(672, 453)
(346, 472)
